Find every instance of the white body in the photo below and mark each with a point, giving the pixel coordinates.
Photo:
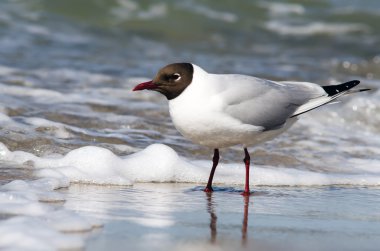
(225, 110)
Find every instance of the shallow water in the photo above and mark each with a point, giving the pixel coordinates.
(177, 216)
(66, 73)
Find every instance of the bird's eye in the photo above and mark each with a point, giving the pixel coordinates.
(176, 76)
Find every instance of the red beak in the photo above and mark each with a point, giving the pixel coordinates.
(145, 86)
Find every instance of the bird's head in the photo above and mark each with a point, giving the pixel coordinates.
(170, 81)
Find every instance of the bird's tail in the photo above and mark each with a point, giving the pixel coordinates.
(333, 92)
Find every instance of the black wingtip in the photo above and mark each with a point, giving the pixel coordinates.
(332, 90)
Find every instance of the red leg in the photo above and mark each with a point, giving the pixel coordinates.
(215, 161)
(246, 160)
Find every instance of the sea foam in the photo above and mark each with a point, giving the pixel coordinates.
(160, 163)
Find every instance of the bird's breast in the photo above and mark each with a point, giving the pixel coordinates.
(208, 127)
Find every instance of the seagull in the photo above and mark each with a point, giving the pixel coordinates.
(223, 110)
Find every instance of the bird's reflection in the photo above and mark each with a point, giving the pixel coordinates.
(245, 220)
(214, 218)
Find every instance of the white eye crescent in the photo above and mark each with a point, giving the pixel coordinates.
(176, 76)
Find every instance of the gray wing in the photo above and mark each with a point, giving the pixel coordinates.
(265, 103)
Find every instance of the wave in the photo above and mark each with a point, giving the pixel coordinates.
(314, 28)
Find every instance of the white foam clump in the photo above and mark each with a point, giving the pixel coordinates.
(160, 163)
(98, 165)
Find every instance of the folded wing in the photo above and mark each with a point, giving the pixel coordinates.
(270, 104)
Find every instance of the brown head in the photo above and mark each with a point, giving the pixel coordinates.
(171, 80)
